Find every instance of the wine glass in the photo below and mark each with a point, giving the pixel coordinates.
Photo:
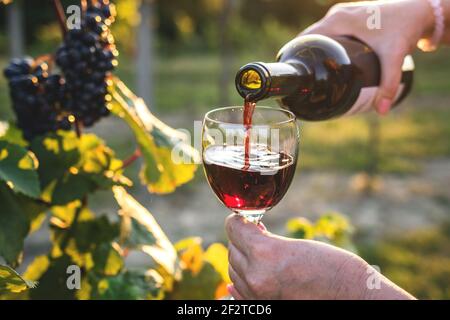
(250, 181)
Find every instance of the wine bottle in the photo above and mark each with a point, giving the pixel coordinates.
(319, 77)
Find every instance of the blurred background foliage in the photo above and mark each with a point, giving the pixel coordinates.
(196, 47)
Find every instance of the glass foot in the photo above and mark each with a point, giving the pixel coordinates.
(254, 216)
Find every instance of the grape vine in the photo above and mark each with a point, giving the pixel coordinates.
(47, 170)
(38, 97)
(87, 57)
(44, 101)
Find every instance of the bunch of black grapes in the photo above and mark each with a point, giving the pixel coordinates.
(87, 57)
(37, 96)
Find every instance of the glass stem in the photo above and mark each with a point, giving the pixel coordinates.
(254, 216)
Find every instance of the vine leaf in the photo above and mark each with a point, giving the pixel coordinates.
(57, 152)
(18, 169)
(10, 133)
(12, 282)
(92, 245)
(73, 167)
(203, 277)
(217, 256)
(52, 276)
(127, 285)
(169, 160)
(331, 227)
(139, 230)
(16, 216)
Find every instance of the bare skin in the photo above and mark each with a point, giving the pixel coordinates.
(403, 24)
(267, 266)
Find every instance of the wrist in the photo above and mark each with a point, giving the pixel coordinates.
(378, 287)
(446, 8)
(426, 16)
(431, 38)
(351, 279)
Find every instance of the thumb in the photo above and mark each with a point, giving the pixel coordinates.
(391, 73)
(242, 232)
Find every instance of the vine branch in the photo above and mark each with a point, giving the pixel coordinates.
(59, 10)
(127, 162)
(78, 128)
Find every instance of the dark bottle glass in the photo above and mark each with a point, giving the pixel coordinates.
(319, 78)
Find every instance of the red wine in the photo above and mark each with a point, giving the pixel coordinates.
(249, 108)
(319, 77)
(260, 187)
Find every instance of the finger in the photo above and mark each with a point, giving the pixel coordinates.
(391, 73)
(237, 260)
(261, 226)
(242, 233)
(239, 283)
(234, 293)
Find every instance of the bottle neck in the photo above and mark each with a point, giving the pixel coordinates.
(258, 80)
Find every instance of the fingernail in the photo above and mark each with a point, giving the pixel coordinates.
(229, 288)
(384, 106)
(261, 226)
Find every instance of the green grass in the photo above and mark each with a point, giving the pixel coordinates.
(407, 137)
(432, 70)
(418, 261)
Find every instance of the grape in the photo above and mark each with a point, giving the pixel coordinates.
(37, 97)
(87, 57)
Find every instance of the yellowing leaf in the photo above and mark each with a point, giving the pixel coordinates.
(192, 258)
(18, 169)
(187, 242)
(10, 133)
(37, 268)
(169, 160)
(85, 292)
(222, 290)
(81, 259)
(67, 213)
(300, 228)
(217, 255)
(12, 282)
(162, 250)
(172, 174)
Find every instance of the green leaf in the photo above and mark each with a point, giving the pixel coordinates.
(18, 169)
(169, 160)
(331, 227)
(12, 282)
(197, 286)
(73, 167)
(204, 273)
(16, 214)
(136, 234)
(90, 244)
(10, 133)
(300, 228)
(139, 230)
(57, 152)
(65, 214)
(52, 276)
(128, 285)
(217, 256)
(107, 260)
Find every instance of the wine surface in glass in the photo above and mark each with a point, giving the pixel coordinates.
(258, 187)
